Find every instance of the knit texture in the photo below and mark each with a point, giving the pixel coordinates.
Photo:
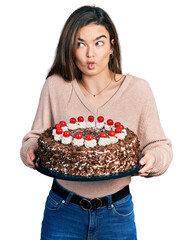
(133, 105)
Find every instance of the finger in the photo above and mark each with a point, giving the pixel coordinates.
(146, 169)
(29, 163)
(145, 159)
(30, 160)
(32, 156)
(143, 174)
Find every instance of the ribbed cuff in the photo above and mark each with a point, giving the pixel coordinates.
(162, 161)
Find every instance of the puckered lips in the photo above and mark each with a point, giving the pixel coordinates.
(91, 65)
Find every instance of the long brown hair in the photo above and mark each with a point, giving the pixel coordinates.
(64, 62)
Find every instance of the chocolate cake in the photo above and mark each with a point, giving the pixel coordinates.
(88, 148)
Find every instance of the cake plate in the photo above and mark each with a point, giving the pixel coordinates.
(60, 175)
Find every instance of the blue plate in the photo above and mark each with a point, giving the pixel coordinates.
(60, 175)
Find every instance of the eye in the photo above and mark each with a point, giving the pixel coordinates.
(80, 44)
(99, 43)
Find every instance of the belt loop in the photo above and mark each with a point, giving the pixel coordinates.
(70, 194)
(110, 205)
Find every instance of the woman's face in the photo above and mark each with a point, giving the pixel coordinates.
(93, 49)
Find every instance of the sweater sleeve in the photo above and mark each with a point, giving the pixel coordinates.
(41, 122)
(152, 137)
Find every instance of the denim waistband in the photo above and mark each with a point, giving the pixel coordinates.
(89, 203)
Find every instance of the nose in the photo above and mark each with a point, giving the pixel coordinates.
(90, 52)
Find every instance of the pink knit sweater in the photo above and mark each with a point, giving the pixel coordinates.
(133, 105)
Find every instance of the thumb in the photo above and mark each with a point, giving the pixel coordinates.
(32, 156)
(31, 153)
(144, 159)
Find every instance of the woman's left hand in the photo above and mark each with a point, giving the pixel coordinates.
(148, 160)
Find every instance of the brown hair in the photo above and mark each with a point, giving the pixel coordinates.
(64, 63)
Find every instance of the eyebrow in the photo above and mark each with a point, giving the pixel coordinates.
(80, 39)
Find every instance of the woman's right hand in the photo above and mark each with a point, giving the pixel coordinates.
(30, 157)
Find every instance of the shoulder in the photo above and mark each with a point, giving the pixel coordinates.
(58, 88)
(57, 81)
(137, 82)
(139, 85)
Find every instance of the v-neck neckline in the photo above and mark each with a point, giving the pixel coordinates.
(107, 104)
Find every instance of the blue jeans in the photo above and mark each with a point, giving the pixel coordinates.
(64, 220)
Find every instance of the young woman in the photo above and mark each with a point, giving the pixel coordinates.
(86, 79)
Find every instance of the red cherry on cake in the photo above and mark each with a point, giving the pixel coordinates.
(66, 134)
(103, 135)
(80, 119)
(100, 119)
(117, 124)
(112, 133)
(89, 137)
(109, 122)
(73, 120)
(62, 123)
(118, 130)
(59, 131)
(91, 119)
(121, 126)
(58, 126)
(78, 135)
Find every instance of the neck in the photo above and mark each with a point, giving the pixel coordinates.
(97, 82)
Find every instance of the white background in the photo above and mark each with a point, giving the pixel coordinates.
(157, 45)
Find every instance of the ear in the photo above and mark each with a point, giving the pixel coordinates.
(112, 46)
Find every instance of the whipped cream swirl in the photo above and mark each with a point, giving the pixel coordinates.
(99, 125)
(108, 127)
(120, 135)
(72, 126)
(113, 139)
(81, 124)
(90, 124)
(65, 128)
(67, 140)
(124, 131)
(104, 141)
(90, 143)
(54, 132)
(57, 137)
(78, 142)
